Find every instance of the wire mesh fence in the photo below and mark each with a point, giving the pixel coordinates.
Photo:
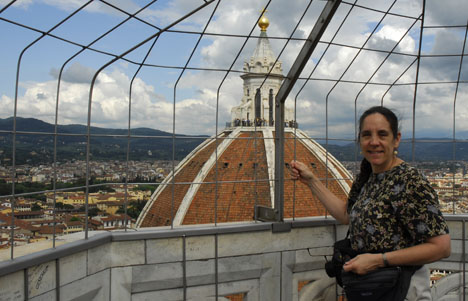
(91, 90)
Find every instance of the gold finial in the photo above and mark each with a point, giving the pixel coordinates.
(263, 22)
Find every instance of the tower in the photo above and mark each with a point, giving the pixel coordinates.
(262, 79)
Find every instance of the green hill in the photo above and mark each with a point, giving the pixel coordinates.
(150, 144)
(105, 144)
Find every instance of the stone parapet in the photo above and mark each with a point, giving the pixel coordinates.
(196, 263)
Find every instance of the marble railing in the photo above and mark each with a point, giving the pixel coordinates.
(253, 261)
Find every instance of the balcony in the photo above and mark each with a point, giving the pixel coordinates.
(376, 52)
(249, 261)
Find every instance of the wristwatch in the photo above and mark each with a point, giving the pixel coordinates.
(385, 261)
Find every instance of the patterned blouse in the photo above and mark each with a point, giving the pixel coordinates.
(395, 209)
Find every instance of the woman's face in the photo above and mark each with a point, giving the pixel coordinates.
(377, 142)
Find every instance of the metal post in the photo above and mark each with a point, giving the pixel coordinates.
(463, 259)
(279, 160)
(288, 83)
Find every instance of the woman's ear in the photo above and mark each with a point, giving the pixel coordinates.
(397, 140)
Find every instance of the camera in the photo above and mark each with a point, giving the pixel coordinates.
(330, 269)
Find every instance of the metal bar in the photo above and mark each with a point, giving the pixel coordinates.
(134, 15)
(416, 81)
(290, 38)
(219, 138)
(279, 159)
(281, 277)
(6, 6)
(57, 279)
(306, 51)
(387, 56)
(130, 110)
(217, 102)
(216, 267)
(288, 83)
(360, 49)
(26, 284)
(91, 90)
(335, 235)
(59, 80)
(454, 145)
(310, 76)
(276, 117)
(174, 117)
(464, 258)
(184, 265)
(396, 80)
(15, 111)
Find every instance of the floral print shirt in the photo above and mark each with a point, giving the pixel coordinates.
(395, 209)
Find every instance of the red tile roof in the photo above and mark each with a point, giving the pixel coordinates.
(230, 188)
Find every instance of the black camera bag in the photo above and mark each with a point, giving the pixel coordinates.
(384, 284)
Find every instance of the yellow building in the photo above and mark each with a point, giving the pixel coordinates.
(110, 207)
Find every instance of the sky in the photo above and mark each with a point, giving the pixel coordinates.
(197, 101)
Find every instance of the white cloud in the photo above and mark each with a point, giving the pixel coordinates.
(20, 4)
(394, 34)
(76, 73)
(110, 105)
(200, 96)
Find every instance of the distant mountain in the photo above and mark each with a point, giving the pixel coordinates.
(36, 125)
(441, 150)
(151, 144)
(106, 144)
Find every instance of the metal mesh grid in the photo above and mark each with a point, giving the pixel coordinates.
(159, 61)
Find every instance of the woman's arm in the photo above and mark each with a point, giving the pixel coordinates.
(332, 203)
(434, 249)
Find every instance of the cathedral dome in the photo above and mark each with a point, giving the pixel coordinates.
(228, 175)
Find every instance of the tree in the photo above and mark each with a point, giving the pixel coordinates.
(39, 197)
(36, 207)
(133, 209)
(5, 189)
(60, 205)
(93, 212)
(144, 187)
(68, 207)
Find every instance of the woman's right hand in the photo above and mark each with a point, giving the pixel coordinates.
(336, 207)
(299, 171)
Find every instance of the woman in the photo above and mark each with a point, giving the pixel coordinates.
(392, 211)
